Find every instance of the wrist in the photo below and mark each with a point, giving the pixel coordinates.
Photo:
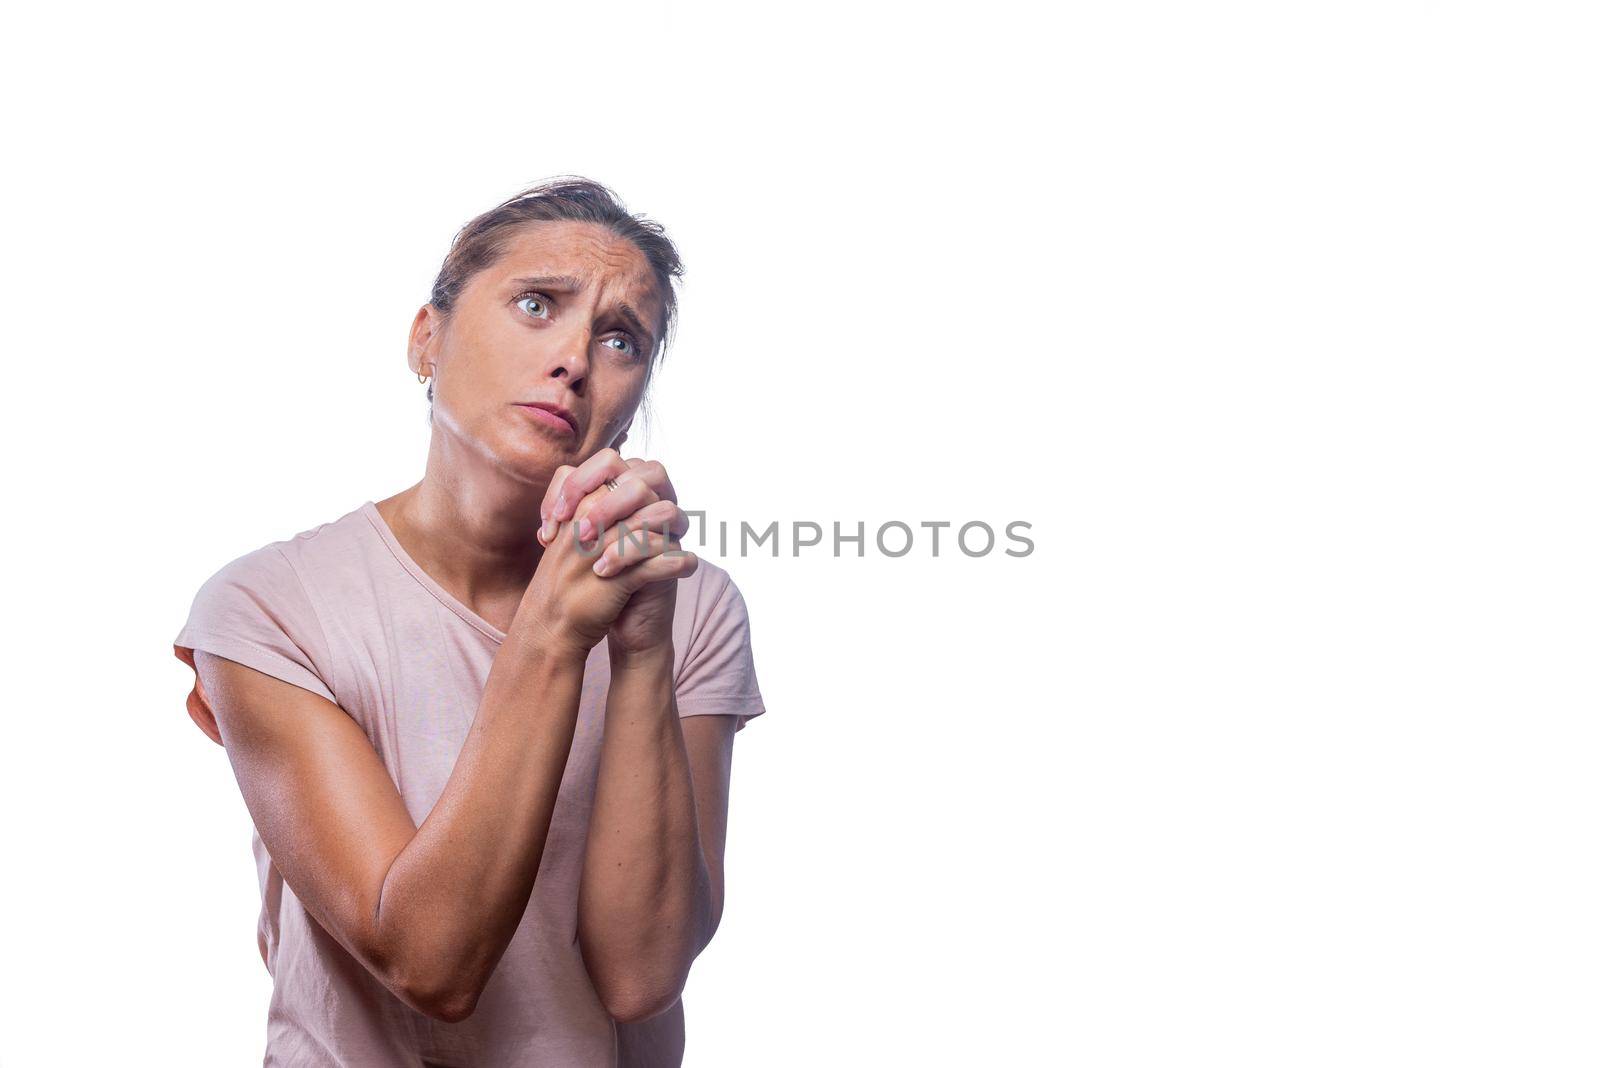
(540, 640)
(649, 658)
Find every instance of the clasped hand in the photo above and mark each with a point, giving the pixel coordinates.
(612, 559)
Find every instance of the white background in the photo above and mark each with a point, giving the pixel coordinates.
(1277, 321)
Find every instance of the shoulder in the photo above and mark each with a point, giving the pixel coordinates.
(276, 566)
(711, 614)
(709, 592)
(261, 597)
(708, 576)
(261, 576)
(717, 668)
(255, 610)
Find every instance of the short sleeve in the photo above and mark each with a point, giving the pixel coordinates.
(719, 673)
(255, 612)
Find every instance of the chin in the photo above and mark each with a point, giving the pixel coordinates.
(527, 458)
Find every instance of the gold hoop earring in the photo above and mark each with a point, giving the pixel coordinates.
(421, 377)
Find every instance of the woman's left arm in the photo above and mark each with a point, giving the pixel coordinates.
(651, 893)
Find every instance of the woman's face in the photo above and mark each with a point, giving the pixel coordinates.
(567, 317)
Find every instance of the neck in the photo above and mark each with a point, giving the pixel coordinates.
(469, 525)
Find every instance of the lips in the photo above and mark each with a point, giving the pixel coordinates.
(557, 411)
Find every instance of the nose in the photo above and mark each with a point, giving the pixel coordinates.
(569, 361)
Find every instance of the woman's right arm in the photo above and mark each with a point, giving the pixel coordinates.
(428, 910)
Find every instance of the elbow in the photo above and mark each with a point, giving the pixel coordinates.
(442, 986)
(448, 1002)
(635, 982)
(636, 1003)
(453, 1011)
(448, 994)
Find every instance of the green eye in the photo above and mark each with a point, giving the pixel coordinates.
(534, 306)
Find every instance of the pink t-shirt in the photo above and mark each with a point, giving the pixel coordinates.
(342, 610)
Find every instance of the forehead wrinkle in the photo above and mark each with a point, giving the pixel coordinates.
(565, 240)
(582, 258)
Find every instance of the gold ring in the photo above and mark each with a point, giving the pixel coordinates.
(611, 483)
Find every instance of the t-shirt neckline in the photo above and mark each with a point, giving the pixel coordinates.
(425, 580)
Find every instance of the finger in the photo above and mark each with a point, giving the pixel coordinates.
(653, 473)
(547, 526)
(588, 477)
(661, 517)
(649, 532)
(605, 507)
(631, 550)
(674, 566)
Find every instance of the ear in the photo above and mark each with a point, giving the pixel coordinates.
(424, 329)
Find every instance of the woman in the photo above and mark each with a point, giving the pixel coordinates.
(484, 726)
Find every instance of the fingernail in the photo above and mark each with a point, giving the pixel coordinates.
(585, 529)
(602, 566)
(544, 530)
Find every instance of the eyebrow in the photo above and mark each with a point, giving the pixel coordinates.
(550, 281)
(633, 320)
(560, 283)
